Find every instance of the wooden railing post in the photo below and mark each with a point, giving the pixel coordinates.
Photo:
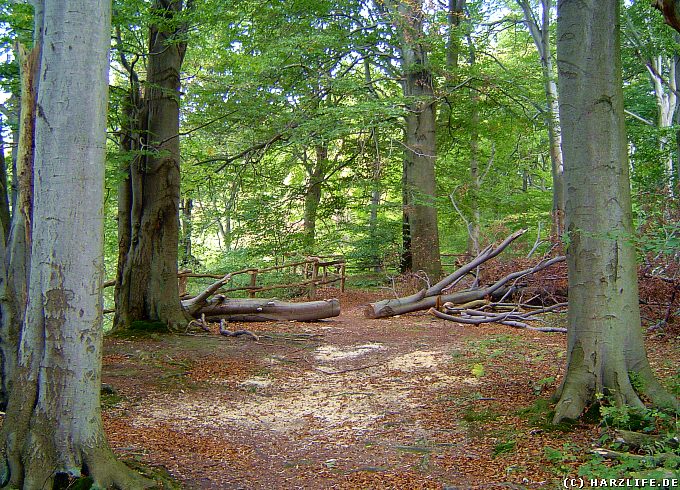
(182, 281)
(315, 276)
(342, 277)
(253, 283)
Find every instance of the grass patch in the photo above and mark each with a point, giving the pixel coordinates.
(504, 447)
(472, 415)
(540, 415)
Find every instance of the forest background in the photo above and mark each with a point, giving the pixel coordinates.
(293, 117)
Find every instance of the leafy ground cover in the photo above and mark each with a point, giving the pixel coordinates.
(410, 402)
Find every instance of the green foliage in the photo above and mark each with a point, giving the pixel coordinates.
(639, 419)
(559, 458)
(540, 415)
(474, 415)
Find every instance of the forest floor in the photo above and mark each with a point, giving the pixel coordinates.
(410, 402)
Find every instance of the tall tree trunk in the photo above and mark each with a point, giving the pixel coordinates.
(187, 216)
(53, 428)
(376, 260)
(605, 342)
(540, 32)
(146, 286)
(316, 173)
(15, 249)
(421, 240)
(5, 216)
(475, 183)
(675, 179)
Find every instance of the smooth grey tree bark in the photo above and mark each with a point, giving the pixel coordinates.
(605, 342)
(540, 33)
(53, 427)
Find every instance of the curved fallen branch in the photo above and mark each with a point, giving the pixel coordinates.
(228, 333)
(511, 318)
(431, 298)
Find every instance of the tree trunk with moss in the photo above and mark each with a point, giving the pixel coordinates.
(605, 342)
(316, 173)
(148, 202)
(53, 428)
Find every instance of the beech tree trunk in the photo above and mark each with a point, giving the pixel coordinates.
(421, 232)
(540, 32)
(316, 173)
(148, 216)
(53, 428)
(15, 249)
(605, 342)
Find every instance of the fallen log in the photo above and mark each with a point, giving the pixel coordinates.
(267, 310)
(431, 298)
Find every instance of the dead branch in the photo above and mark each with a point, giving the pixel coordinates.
(428, 298)
(511, 319)
(228, 333)
(192, 306)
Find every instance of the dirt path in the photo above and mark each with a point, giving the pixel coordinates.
(404, 403)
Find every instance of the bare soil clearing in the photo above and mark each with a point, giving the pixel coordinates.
(410, 402)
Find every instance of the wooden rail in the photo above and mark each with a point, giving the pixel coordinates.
(313, 271)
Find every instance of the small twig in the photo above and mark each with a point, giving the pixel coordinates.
(229, 333)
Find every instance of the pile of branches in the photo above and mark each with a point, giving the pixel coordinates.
(477, 304)
(659, 291)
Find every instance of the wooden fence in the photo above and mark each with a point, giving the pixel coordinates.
(312, 271)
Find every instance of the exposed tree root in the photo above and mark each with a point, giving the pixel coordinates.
(35, 470)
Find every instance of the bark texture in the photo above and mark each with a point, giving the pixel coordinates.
(605, 342)
(148, 214)
(421, 232)
(53, 427)
(269, 310)
(316, 173)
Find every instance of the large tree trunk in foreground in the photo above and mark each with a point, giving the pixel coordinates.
(146, 287)
(605, 342)
(53, 428)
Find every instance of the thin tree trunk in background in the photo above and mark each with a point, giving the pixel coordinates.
(421, 232)
(5, 217)
(146, 287)
(666, 103)
(316, 173)
(15, 249)
(605, 342)
(541, 36)
(675, 180)
(475, 184)
(187, 208)
(376, 260)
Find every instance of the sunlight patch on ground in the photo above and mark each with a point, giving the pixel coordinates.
(330, 353)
